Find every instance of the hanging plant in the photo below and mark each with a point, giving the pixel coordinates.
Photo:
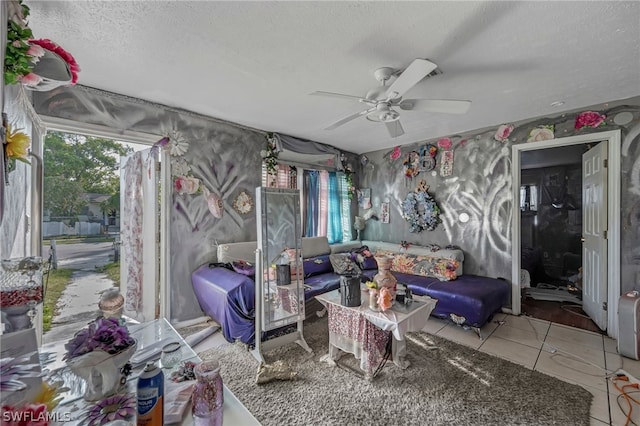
(20, 56)
(270, 155)
(348, 176)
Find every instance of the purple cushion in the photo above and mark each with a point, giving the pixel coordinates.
(316, 265)
(369, 263)
(244, 268)
(364, 258)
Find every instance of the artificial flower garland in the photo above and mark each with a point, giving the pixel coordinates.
(270, 155)
(45, 43)
(16, 144)
(19, 56)
(105, 334)
(421, 211)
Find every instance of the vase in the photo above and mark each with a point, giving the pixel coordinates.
(101, 371)
(207, 398)
(384, 277)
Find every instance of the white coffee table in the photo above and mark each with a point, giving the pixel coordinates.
(363, 332)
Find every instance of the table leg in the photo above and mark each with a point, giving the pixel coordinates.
(399, 353)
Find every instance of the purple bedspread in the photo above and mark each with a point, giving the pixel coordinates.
(228, 298)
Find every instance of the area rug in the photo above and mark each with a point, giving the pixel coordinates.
(446, 384)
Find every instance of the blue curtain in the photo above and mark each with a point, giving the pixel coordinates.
(312, 191)
(334, 225)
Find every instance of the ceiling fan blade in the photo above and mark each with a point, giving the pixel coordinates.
(416, 71)
(395, 128)
(336, 95)
(436, 105)
(349, 118)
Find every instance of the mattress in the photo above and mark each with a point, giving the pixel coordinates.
(470, 299)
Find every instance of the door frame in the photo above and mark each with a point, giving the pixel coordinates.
(95, 130)
(614, 140)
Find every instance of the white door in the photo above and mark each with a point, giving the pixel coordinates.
(594, 233)
(139, 230)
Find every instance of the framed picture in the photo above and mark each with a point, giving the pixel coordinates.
(384, 213)
(364, 198)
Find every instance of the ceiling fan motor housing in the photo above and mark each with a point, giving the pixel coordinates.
(383, 113)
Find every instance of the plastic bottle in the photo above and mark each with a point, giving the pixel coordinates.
(151, 396)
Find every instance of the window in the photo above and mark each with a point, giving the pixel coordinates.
(286, 177)
(528, 198)
(325, 201)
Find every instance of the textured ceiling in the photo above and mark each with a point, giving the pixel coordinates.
(255, 63)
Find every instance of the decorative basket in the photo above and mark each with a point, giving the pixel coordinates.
(20, 281)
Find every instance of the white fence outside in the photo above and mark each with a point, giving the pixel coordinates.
(52, 229)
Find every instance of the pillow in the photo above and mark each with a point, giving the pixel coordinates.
(369, 263)
(244, 268)
(343, 265)
(440, 268)
(364, 258)
(316, 265)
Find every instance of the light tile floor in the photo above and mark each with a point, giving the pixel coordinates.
(576, 356)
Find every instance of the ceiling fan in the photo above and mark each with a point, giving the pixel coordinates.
(382, 100)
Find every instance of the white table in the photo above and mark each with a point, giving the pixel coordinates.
(364, 333)
(146, 334)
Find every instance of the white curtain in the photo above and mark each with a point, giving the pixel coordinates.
(138, 225)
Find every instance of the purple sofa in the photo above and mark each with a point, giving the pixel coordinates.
(228, 296)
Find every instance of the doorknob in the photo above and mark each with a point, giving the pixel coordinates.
(582, 239)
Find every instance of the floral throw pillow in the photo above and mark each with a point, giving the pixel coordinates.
(440, 268)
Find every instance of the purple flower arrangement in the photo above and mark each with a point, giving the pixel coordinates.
(105, 334)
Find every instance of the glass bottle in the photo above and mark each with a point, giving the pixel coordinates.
(207, 397)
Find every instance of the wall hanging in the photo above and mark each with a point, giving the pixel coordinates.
(39, 65)
(428, 157)
(420, 209)
(541, 133)
(214, 203)
(243, 203)
(446, 159)
(411, 166)
(384, 212)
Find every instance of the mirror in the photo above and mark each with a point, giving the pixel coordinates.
(279, 241)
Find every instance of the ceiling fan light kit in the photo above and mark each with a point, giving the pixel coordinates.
(381, 100)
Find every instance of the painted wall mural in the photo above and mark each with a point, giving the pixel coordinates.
(475, 194)
(213, 163)
(473, 191)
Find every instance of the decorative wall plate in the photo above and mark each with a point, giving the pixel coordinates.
(243, 203)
